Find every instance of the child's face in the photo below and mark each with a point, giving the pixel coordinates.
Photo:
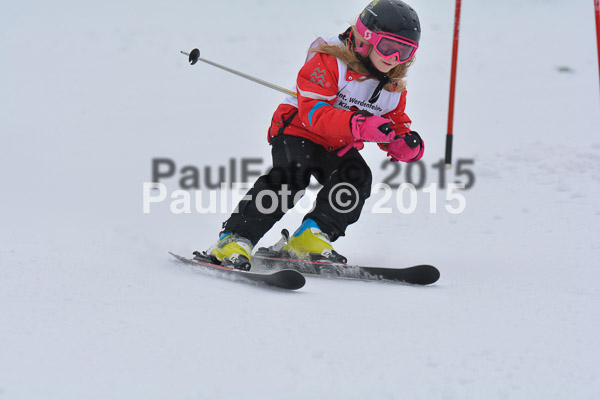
(383, 64)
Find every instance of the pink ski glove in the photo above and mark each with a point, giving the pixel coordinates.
(370, 128)
(408, 148)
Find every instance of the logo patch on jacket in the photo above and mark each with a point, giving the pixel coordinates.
(318, 76)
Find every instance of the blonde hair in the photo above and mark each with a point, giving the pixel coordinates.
(346, 54)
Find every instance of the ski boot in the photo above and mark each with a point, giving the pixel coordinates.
(309, 242)
(231, 250)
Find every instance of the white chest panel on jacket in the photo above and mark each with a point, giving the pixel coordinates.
(357, 93)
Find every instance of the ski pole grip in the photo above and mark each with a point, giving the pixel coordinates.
(194, 56)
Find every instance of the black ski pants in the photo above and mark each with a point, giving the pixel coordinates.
(346, 185)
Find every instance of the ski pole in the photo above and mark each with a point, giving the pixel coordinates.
(194, 57)
(449, 136)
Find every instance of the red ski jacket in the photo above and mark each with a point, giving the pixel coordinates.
(327, 89)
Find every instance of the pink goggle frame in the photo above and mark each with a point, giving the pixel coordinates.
(386, 45)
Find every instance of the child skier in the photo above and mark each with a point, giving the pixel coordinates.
(349, 91)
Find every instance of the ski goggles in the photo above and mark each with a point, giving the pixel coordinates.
(386, 45)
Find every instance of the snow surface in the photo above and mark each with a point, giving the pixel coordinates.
(93, 307)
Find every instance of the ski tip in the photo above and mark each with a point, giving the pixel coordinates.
(283, 279)
(289, 279)
(428, 274)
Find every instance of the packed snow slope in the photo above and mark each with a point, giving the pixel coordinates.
(93, 307)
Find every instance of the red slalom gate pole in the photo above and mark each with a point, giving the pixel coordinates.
(597, 8)
(449, 136)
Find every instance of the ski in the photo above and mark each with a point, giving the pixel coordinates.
(282, 278)
(422, 274)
